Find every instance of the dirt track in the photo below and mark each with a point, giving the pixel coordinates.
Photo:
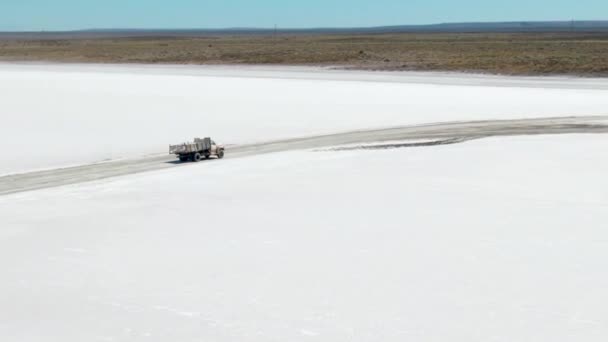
(448, 130)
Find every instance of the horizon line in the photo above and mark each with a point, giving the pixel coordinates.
(313, 28)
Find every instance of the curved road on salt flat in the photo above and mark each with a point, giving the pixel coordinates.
(452, 131)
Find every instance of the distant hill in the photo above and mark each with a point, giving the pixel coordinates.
(506, 27)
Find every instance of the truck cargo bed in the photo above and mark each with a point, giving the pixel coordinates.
(191, 147)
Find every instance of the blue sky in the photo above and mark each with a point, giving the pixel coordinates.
(79, 14)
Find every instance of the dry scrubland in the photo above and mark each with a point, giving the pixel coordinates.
(523, 53)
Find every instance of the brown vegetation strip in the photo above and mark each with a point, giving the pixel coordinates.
(505, 53)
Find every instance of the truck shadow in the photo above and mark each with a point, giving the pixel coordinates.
(178, 162)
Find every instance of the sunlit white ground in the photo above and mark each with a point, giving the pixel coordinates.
(490, 240)
(60, 115)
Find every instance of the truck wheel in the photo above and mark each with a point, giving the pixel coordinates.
(220, 154)
(196, 157)
(183, 158)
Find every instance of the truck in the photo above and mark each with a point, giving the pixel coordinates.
(197, 150)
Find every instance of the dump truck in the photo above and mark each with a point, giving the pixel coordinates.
(197, 150)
